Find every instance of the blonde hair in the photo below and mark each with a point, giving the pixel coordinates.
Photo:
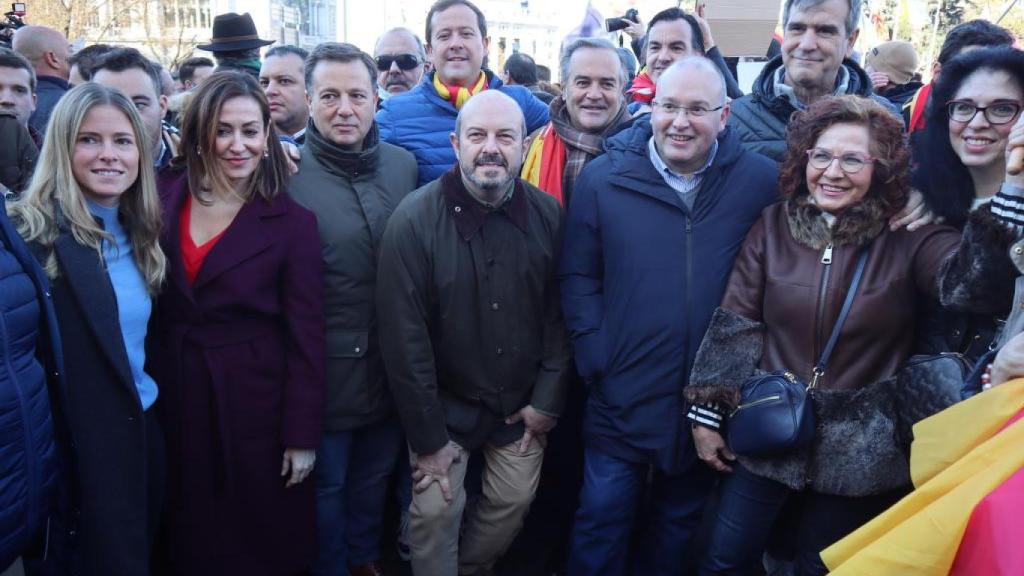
(54, 202)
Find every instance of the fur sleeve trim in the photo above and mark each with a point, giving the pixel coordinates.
(729, 354)
(979, 276)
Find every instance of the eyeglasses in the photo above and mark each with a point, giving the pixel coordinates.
(404, 61)
(996, 113)
(851, 163)
(676, 109)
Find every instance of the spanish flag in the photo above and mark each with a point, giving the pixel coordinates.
(966, 515)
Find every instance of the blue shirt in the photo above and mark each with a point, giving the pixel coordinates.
(685, 185)
(134, 304)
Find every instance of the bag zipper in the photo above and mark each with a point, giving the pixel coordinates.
(758, 402)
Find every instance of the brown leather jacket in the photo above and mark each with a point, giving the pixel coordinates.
(778, 311)
(781, 278)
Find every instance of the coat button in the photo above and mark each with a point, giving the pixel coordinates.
(1018, 249)
(47, 293)
(499, 351)
(357, 350)
(458, 209)
(494, 306)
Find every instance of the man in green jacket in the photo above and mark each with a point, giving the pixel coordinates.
(352, 182)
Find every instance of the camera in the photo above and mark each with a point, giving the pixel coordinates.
(11, 22)
(616, 24)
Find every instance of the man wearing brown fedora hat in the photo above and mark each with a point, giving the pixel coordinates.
(235, 43)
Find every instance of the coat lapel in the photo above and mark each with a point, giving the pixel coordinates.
(173, 202)
(244, 238)
(90, 284)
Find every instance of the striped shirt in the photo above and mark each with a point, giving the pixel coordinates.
(686, 185)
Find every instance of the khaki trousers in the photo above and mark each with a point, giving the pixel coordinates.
(509, 483)
(15, 569)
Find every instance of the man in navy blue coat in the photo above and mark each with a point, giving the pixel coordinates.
(650, 239)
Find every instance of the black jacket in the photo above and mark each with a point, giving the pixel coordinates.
(760, 118)
(352, 195)
(105, 418)
(18, 153)
(468, 303)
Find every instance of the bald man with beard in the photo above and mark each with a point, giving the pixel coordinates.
(473, 339)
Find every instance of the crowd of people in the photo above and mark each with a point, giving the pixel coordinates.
(257, 312)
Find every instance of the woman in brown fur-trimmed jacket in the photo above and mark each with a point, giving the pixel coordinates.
(845, 175)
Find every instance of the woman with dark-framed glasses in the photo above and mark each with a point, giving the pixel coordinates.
(845, 175)
(960, 168)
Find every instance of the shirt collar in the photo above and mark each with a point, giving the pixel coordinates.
(164, 157)
(470, 214)
(663, 168)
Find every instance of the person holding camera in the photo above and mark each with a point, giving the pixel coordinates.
(674, 34)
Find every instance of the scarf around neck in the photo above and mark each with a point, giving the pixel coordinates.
(643, 87)
(560, 151)
(459, 95)
(341, 162)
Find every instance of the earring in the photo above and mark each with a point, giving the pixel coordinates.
(266, 153)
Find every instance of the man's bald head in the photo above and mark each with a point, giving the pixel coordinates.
(700, 70)
(491, 102)
(489, 142)
(47, 49)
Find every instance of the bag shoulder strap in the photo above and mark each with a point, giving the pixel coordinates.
(819, 369)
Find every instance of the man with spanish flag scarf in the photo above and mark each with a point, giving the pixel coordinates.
(591, 108)
(421, 119)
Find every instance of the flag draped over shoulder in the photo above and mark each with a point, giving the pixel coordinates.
(965, 515)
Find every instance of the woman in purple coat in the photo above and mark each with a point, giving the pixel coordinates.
(240, 344)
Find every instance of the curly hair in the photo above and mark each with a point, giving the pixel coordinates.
(889, 182)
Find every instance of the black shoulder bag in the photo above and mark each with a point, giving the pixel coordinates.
(776, 415)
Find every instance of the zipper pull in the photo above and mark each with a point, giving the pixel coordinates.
(826, 257)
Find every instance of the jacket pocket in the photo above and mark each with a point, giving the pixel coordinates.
(347, 343)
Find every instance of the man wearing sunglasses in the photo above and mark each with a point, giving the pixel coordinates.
(401, 61)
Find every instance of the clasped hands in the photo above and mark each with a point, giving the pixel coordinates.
(434, 467)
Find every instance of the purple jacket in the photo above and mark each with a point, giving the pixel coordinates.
(240, 362)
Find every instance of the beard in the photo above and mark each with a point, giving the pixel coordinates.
(493, 178)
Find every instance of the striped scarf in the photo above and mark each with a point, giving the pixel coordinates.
(559, 152)
(459, 95)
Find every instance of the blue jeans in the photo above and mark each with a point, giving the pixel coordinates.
(352, 473)
(609, 506)
(749, 508)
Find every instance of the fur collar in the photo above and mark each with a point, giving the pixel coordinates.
(853, 227)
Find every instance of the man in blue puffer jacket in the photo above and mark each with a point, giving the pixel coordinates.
(30, 361)
(422, 119)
